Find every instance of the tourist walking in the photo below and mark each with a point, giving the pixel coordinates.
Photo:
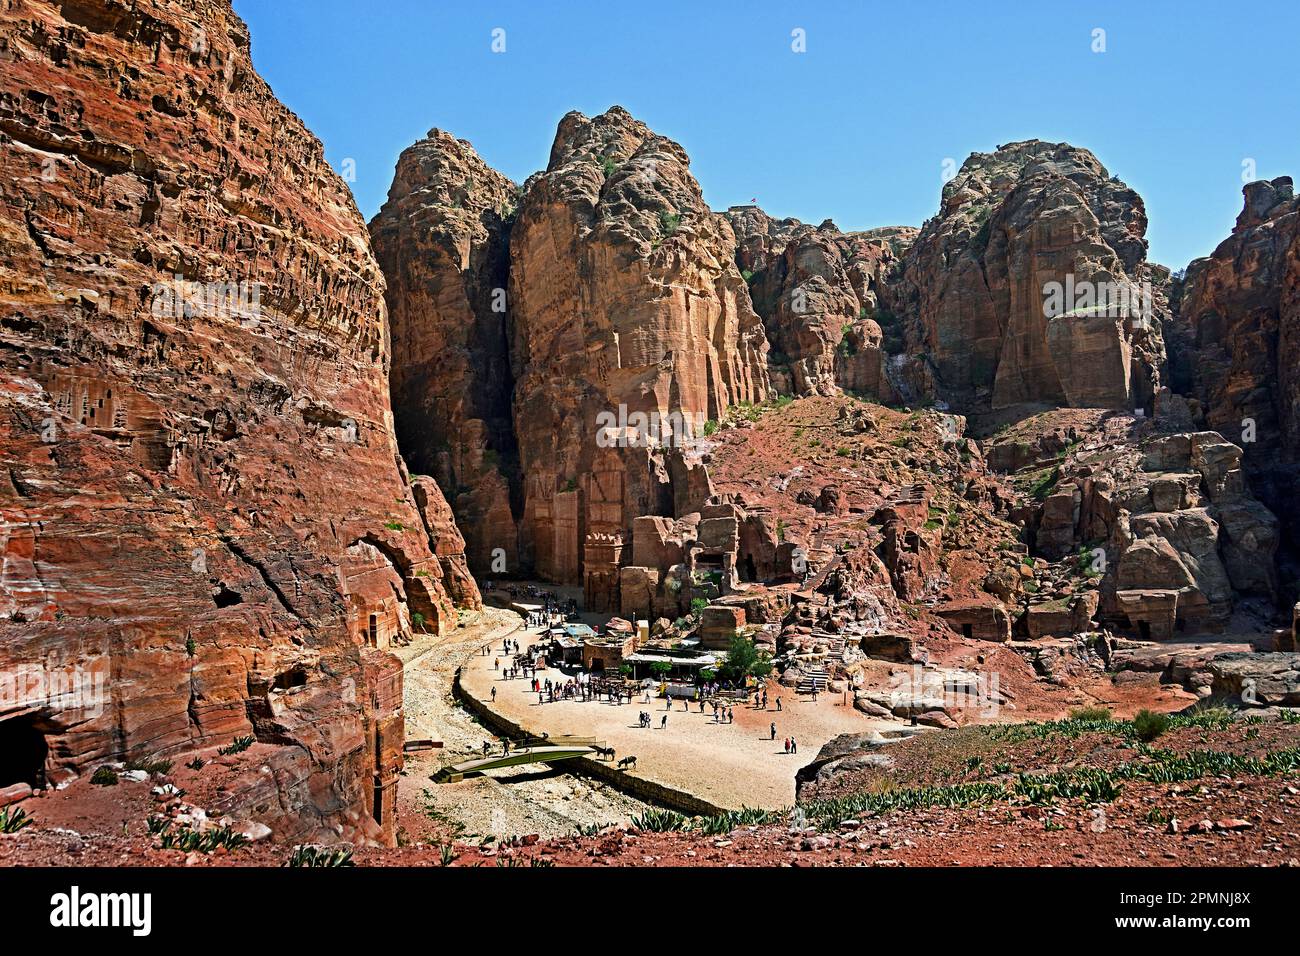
(773, 727)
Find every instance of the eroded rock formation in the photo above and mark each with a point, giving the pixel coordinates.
(976, 290)
(817, 291)
(441, 240)
(625, 301)
(204, 508)
(1236, 350)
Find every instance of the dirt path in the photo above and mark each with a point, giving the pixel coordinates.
(513, 802)
(729, 765)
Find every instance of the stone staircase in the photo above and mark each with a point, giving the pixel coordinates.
(813, 679)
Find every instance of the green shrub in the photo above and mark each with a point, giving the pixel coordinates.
(1148, 725)
(105, 777)
(1091, 715)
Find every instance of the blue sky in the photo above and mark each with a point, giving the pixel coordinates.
(855, 129)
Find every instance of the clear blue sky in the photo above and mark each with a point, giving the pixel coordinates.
(855, 129)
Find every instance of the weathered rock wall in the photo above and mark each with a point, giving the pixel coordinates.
(203, 501)
(442, 242)
(1236, 348)
(975, 286)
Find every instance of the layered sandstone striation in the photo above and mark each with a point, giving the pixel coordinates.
(442, 241)
(986, 326)
(205, 520)
(625, 301)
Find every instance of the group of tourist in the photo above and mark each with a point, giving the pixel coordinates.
(760, 699)
(591, 689)
(645, 721)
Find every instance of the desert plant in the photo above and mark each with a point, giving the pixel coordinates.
(1148, 725)
(194, 841)
(12, 819)
(104, 777)
(307, 854)
(237, 746)
(662, 821)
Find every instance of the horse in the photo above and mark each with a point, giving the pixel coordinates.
(604, 753)
(626, 762)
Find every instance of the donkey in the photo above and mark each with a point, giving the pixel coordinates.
(627, 762)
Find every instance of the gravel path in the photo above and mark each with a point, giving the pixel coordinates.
(512, 802)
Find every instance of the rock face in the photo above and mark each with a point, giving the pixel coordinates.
(817, 291)
(1258, 679)
(625, 301)
(442, 242)
(979, 289)
(1164, 522)
(1237, 347)
(206, 525)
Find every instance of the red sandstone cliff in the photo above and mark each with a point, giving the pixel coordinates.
(624, 293)
(973, 292)
(441, 240)
(203, 503)
(1236, 350)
